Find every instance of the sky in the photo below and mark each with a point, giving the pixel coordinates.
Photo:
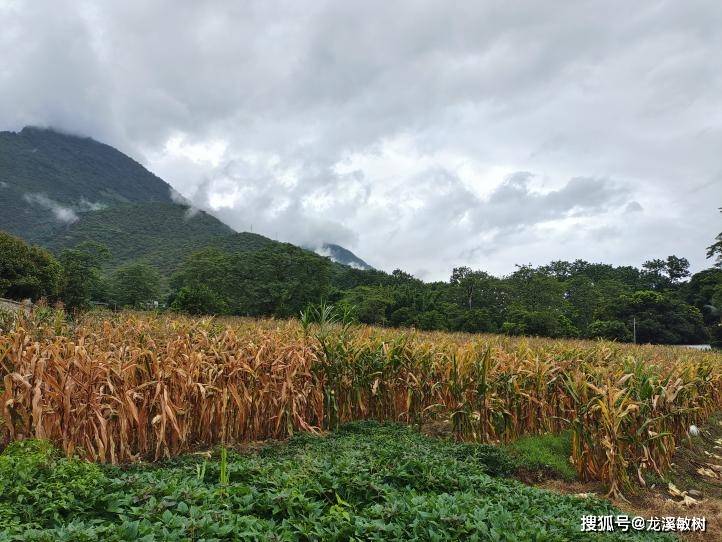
(420, 135)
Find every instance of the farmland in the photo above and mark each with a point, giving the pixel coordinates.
(364, 481)
(133, 387)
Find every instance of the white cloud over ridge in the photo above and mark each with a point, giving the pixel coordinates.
(60, 212)
(420, 135)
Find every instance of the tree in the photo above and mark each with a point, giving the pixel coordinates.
(278, 280)
(430, 320)
(582, 298)
(135, 285)
(283, 280)
(660, 317)
(465, 280)
(476, 321)
(469, 283)
(403, 317)
(535, 290)
(716, 336)
(81, 277)
(198, 299)
(654, 274)
(540, 323)
(400, 277)
(715, 249)
(612, 330)
(27, 271)
(370, 303)
(663, 274)
(677, 268)
(701, 292)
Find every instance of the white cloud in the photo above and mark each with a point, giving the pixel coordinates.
(86, 205)
(60, 212)
(399, 129)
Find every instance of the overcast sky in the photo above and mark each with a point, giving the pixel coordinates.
(420, 135)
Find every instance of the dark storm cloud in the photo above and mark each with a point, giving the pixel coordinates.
(399, 129)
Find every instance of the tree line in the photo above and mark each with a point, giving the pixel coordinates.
(661, 302)
(74, 278)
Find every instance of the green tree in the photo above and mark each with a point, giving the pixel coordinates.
(677, 268)
(283, 281)
(476, 321)
(701, 292)
(533, 290)
(654, 274)
(612, 330)
(663, 274)
(370, 303)
(583, 299)
(715, 249)
(468, 283)
(198, 299)
(539, 323)
(27, 271)
(277, 280)
(81, 276)
(432, 320)
(404, 316)
(134, 285)
(661, 317)
(716, 336)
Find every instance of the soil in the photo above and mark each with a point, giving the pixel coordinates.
(693, 474)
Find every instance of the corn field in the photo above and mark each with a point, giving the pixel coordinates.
(129, 386)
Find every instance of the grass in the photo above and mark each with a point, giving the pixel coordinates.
(365, 481)
(546, 454)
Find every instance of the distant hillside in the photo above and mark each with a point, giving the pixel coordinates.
(343, 256)
(161, 234)
(47, 177)
(58, 190)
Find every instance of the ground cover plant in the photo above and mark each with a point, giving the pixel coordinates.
(365, 481)
(544, 455)
(130, 386)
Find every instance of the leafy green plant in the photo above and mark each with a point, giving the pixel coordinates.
(201, 471)
(223, 476)
(366, 481)
(546, 455)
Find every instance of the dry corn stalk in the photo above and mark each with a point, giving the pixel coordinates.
(128, 386)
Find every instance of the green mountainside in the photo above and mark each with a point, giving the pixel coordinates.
(47, 177)
(59, 190)
(160, 234)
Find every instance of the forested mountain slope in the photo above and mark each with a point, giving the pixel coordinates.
(160, 234)
(59, 190)
(47, 177)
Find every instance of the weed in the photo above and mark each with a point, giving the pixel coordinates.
(547, 455)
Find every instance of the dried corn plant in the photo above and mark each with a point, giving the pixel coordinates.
(132, 386)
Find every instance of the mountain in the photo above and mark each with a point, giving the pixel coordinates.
(58, 190)
(47, 177)
(160, 234)
(343, 256)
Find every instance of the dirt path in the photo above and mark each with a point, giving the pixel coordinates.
(695, 490)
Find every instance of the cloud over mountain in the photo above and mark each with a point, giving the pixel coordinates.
(421, 135)
(60, 212)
